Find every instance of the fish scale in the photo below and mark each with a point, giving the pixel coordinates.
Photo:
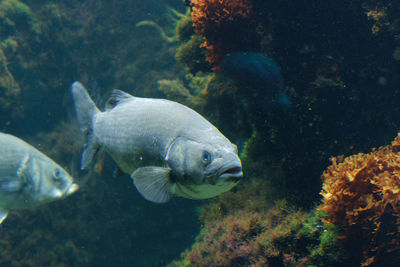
(167, 148)
(151, 118)
(28, 178)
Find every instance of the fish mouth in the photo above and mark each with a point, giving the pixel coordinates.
(72, 188)
(232, 173)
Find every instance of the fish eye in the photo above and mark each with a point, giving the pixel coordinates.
(206, 157)
(56, 173)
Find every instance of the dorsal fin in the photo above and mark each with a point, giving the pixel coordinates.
(117, 97)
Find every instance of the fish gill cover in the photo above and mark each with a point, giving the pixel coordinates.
(340, 66)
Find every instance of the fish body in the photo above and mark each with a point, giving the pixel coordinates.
(28, 178)
(259, 72)
(167, 148)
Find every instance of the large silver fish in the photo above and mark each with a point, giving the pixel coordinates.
(28, 178)
(167, 148)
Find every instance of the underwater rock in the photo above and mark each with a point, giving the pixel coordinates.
(189, 52)
(15, 16)
(9, 88)
(226, 25)
(281, 236)
(361, 194)
(192, 55)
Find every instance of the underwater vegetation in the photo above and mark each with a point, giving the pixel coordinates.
(81, 231)
(357, 224)
(16, 19)
(48, 45)
(190, 51)
(340, 74)
(219, 22)
(361, 194)
(281, 236)
(339, 63)
(338, 70)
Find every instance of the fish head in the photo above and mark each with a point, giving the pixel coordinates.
(48, 181)
(204, 170)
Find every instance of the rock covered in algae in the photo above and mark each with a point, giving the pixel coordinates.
(281, 236)
(226, 25)
(361, 193)
(15, 16)
(43, 61)
(190, 52)
(341, 80)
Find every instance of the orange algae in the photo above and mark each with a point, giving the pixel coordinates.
(223, 24)
(361, 193)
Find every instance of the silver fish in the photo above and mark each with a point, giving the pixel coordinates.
(28, 178)
(167, 148)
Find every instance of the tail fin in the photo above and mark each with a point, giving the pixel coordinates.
(85, 110)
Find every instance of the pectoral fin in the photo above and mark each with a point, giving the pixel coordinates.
(3, 215)
(153, 183)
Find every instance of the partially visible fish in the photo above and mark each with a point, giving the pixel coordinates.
(28, 178)
(167, 148)
(259, 72)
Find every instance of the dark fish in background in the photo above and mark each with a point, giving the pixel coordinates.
(259, 73)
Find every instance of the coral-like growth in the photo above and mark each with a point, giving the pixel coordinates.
(361, 193)
(227, 26)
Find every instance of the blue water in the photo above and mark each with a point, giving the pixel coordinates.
(320, 80)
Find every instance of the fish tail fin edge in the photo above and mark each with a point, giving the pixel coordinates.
(3, 215)
(85, 109)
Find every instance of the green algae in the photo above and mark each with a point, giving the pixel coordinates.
(184, 27)
(175, 17)
(16, 16)
(333, 88)
(9, 87)
(279, 236)
(9, 91)
(189, 52)
(192, 55)
(85, 40)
